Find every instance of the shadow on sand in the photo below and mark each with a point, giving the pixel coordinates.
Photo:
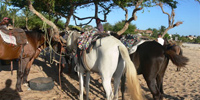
(8, 93)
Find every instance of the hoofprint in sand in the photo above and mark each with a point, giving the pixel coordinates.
(183, 85)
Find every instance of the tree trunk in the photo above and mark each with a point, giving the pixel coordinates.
(165, 32)
(67, 21)
(50, 23)
(13, 21)
(27, 23)
(123, 29)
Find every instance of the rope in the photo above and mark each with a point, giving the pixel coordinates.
(48, 40)
(60, 68)
(51, 49)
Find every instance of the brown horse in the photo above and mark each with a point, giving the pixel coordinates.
(151, 60)
(168, 44)
(31, 51)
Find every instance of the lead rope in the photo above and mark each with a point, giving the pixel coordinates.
(60, 67)
(48, 40)
(51, 49)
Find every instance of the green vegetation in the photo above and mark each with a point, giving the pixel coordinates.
(130, 30)
(55, 9)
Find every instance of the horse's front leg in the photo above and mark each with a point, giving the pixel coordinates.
(20, 73)
(27, 70)
(28, 65)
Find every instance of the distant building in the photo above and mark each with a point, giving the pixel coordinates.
(191, 37)
(146, 32)
(170, 35)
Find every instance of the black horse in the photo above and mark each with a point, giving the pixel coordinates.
(151, 60)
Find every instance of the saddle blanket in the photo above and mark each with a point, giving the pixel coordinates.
(8, 38)
(131, 42)
(86, 38)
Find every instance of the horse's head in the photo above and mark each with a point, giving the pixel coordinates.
(167, 43)
(71, 38)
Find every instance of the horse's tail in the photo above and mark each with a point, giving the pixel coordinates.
(131, 75)
(178, 60)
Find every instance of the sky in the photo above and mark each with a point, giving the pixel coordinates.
(187, 11)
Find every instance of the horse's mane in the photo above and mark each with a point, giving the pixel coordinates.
(35, 33)
(75, 29)
(116, 35)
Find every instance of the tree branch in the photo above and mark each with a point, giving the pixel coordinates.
(95, 15)
(88, 2)
(69, 15)
(50, 23)
(177, 24)
(170, 19)
(133, 17)
(91, 18)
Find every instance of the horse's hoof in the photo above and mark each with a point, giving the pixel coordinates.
(19, 90)
(25, 84)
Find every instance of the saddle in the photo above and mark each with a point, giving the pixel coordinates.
(95, 37)
(131, 42)
(81, 53)
(18, 33)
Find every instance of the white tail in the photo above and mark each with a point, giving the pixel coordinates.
(133, 85)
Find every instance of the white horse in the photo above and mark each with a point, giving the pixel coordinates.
(108, 57)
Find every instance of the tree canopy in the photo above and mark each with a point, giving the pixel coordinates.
(57, 9)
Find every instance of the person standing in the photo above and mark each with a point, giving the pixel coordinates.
(99, 25)
(160, 39)
(4, 23)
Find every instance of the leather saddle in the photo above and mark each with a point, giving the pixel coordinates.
(18, 33)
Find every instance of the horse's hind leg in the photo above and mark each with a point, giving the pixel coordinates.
(153, 88)
(123, 80)
(117, 76)
(107, 87)
(160, 76)
(87, 85)
(159, 80)
(20, 73)
(81, 78)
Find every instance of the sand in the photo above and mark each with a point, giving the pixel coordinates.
(183, 85)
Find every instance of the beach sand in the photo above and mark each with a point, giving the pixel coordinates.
(182, 85)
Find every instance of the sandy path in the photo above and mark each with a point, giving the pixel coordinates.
(183, 85)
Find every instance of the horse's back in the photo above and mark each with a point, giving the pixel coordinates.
(104, 54)
(108, 41)
(148, 56)
(150, 48)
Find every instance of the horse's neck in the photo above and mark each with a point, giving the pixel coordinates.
(36, 37)
(74, 40)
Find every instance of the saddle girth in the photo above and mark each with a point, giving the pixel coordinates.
(81, 55)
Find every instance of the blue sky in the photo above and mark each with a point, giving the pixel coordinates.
(187, 11)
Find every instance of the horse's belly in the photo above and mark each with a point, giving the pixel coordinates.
(104, 55)
(9, 52)
(92, 61)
